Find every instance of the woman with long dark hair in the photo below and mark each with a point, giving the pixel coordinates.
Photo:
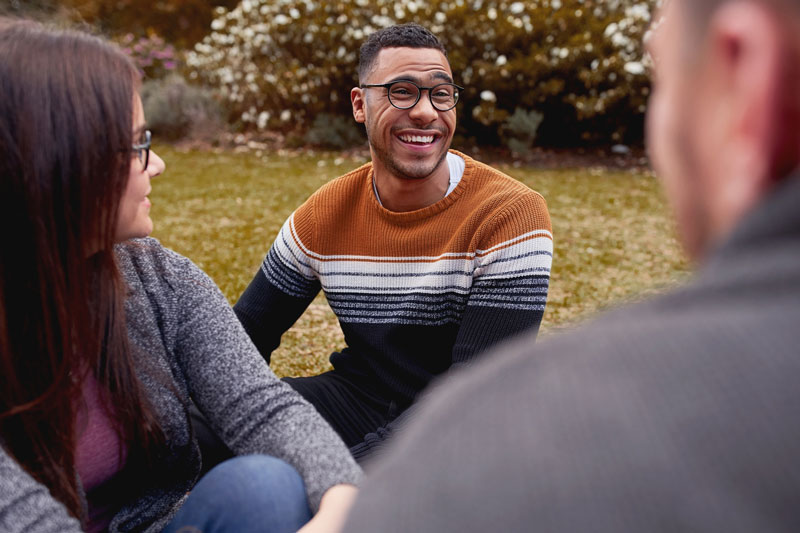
(106, 338)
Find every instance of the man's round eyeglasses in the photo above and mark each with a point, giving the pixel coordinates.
(142, 149)
(405, 94)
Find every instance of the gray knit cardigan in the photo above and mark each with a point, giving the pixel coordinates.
(183, 328)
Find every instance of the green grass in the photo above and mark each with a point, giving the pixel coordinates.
(614, 240)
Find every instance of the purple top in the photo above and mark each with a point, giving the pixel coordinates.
(99, 454)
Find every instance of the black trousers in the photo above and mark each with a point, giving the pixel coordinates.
(351, 408)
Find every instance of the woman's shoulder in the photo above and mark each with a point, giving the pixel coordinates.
(147, 261)
(147, 249)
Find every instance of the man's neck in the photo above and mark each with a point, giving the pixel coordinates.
(404, 194)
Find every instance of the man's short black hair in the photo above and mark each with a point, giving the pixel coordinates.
(409, 35)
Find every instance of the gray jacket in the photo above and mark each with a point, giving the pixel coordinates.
(679, 414)
(184, 329)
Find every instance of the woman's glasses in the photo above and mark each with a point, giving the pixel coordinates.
(142, 149)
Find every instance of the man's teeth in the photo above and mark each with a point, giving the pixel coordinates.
(425, 139)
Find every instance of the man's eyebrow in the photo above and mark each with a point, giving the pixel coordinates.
(442, 76)
(405, 78)
(436, 75)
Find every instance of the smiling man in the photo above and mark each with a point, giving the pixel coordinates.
(426, 256)
(678, 414)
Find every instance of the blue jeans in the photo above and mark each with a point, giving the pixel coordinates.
(246, 493)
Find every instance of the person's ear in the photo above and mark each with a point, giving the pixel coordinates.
(359, 105)
(747, 46)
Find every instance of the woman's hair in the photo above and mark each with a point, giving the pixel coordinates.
(66, 121)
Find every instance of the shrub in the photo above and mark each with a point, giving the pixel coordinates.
(520, 129)
(180, 22)
(334, 131)
(580, 63)
(175, 109)
(154, 57)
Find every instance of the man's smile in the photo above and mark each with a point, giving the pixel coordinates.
(424, 139)
(419, 138)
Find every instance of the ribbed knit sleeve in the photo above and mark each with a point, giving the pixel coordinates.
(511, 276)
(283, 287)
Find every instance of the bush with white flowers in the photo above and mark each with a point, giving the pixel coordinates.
(579, 63)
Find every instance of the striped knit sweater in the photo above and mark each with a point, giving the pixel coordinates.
(415, 292)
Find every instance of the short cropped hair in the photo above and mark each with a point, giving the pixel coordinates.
(408, 35)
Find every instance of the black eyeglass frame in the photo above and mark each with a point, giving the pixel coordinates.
(388, 86)
(144, 147)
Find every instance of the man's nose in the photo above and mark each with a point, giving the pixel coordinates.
(424, 111)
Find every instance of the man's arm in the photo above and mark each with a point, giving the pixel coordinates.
(278, 294)
(511, 279)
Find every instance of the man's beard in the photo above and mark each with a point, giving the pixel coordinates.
(410, 171)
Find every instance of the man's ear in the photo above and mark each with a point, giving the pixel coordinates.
(357, 100)
(748, 46)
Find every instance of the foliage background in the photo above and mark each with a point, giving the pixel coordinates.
(180, 22)
(286, 66)
(580, 63)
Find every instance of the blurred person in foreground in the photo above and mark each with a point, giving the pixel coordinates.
(426, 256)
(679, 414)
(106, 336)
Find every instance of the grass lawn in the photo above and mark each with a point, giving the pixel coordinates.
(614, 240)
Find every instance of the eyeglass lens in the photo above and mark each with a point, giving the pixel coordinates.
(142, 148)
(404, 94)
